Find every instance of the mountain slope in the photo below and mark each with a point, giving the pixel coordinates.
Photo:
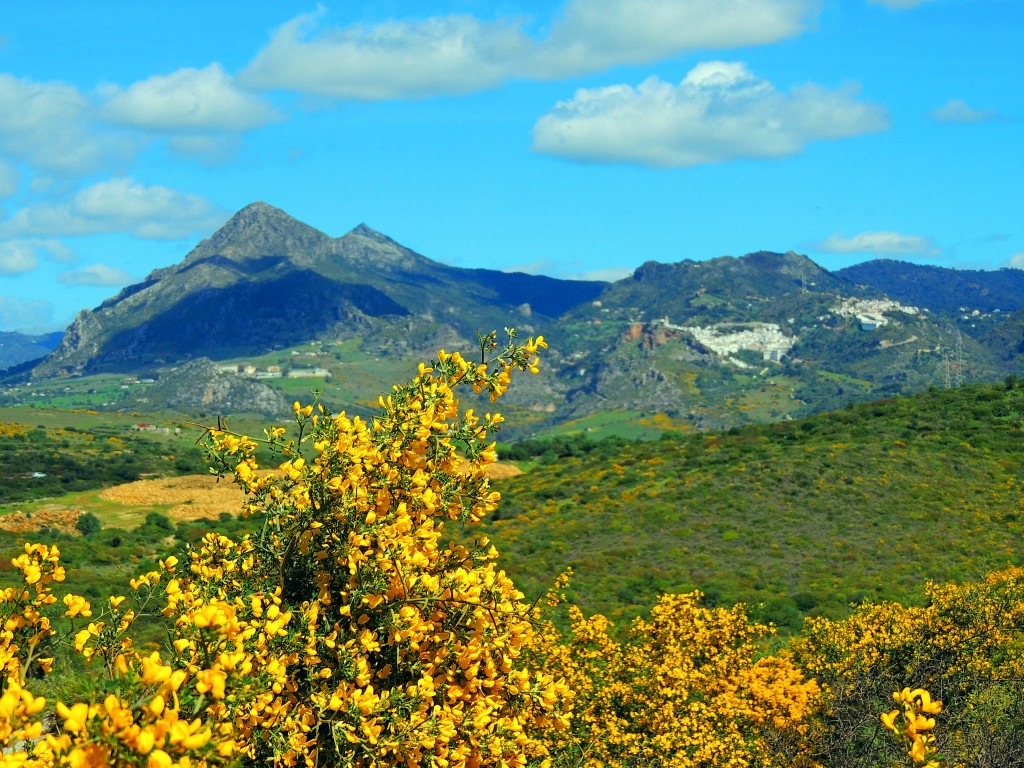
(725, 289)
(266, 280)
(713, 344)
(762, 337)
(862, 503)
(941, 289)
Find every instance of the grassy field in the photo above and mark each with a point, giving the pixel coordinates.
(630, 425)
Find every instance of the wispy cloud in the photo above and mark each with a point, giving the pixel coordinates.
(957, 111)
(96, 275)
(118, 205)
(208, 150)
(20, 256)
(188, 100)
(52, 127)
(879, 244)
(719, 112)
(396, 59)
(596, 34)
(1016, 261)
(54, 130)
(898, 5)
(10, 179)
(27, 316)
(457, 54)
(572, 270)
(17, 258)
(608, 275)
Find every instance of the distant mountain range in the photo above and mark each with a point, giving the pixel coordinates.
(18, 348)
(761, 337)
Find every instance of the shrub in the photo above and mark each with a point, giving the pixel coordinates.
(684, 689)
(345, 633)
(965, 647)
(157, 520)
(87, 524)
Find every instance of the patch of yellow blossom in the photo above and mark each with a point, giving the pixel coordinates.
(967, 643)
(912, 724)
(682, 690)
(348, 632)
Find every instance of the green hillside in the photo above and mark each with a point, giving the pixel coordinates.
(796, 518)
(63, 452)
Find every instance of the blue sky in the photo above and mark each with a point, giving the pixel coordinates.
(577, 139)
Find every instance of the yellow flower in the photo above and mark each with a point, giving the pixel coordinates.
(144, 742)
(32, 573)
(917, 749)
(77, 606)
(74, 717)
(889, 720)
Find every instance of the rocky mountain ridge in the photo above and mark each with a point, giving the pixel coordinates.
(266, 280)
(759, 337)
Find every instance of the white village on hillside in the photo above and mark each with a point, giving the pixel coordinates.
(870, 313)
(769, 340)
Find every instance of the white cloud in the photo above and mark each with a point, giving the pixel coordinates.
(719, 112)
(55, 130)
(572, 270)
(1016, 261)
(96, 274)
(27, 316)
(957, 111)
(456, 54)
(20, 256)
(899, 4)
(118, 205)
(880, 244)
(395, 59)
(595, 34)
(54, 250)
(609, 275)
(187, 100)
(10, 179)
(49, 125)
(17, 257)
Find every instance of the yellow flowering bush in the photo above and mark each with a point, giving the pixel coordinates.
(965, 646)
(684, 689)
(346, 633)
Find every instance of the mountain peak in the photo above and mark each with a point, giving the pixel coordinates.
(259, 215)
(364, 231)
(366, 246)
(259, 230)
(260, 207)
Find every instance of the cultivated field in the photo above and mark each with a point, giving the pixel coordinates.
(192, 497)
